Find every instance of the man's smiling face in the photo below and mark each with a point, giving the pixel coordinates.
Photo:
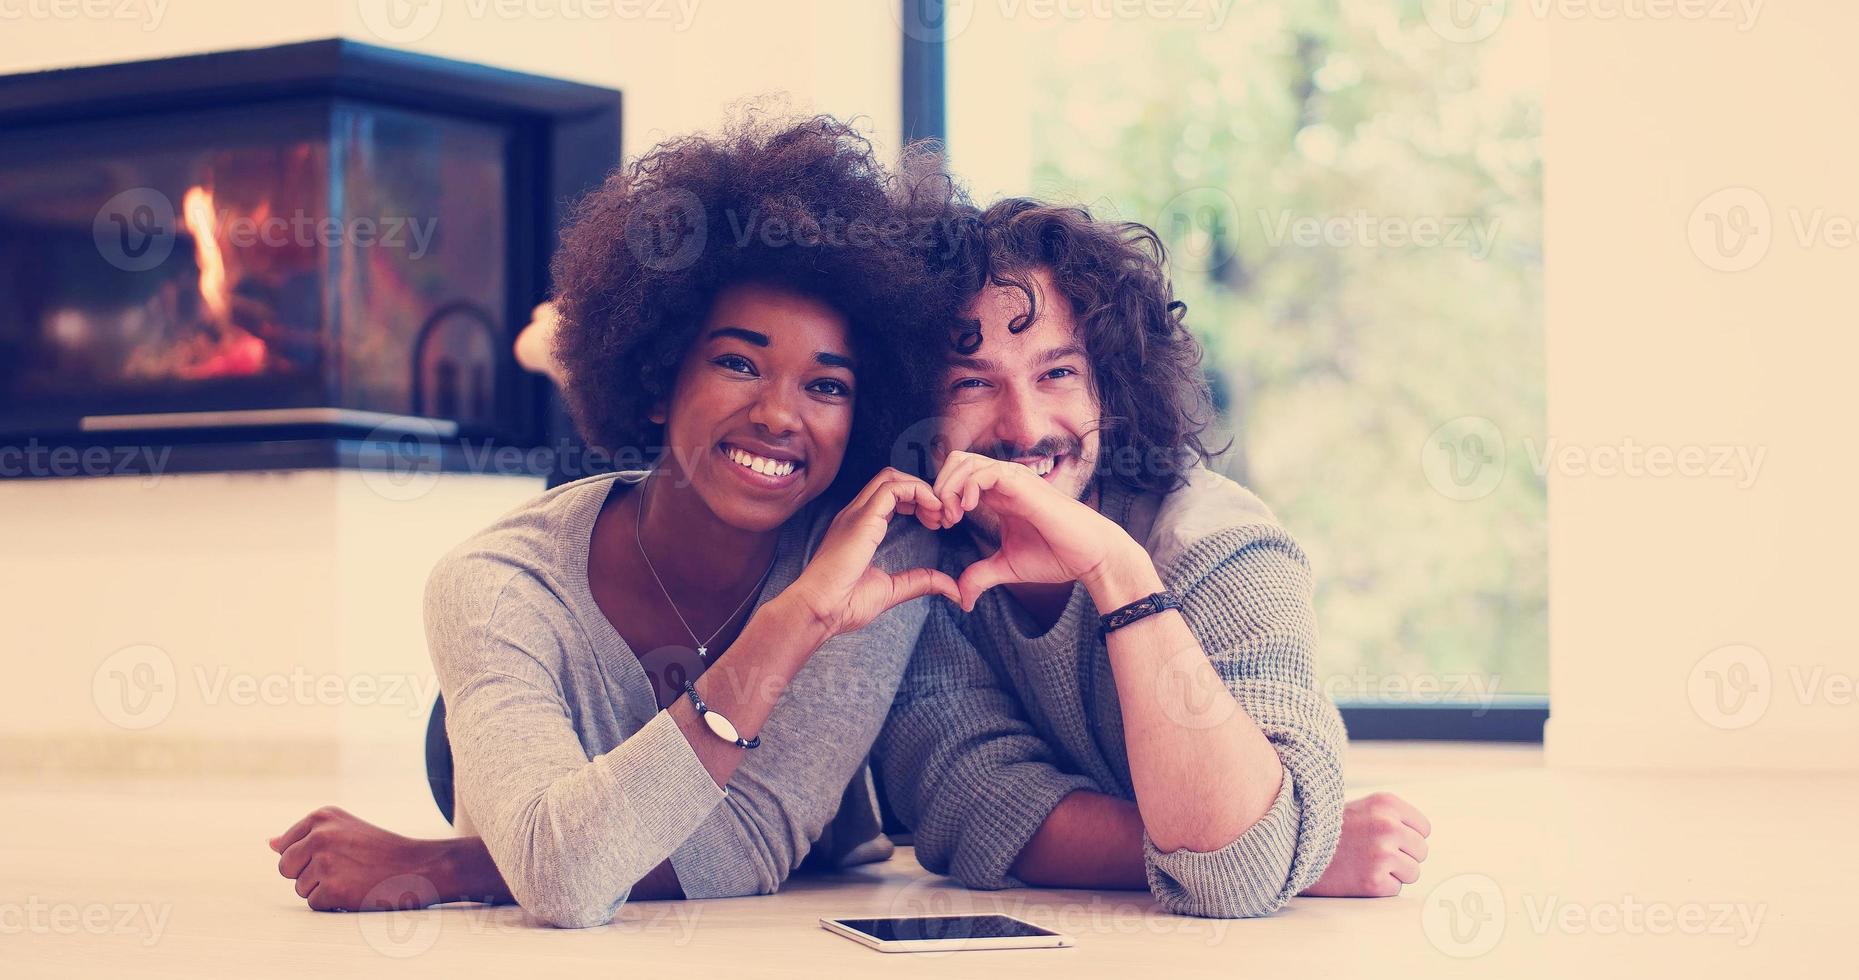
(1027, 397)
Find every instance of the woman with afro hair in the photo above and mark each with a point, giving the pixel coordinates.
(663, 683)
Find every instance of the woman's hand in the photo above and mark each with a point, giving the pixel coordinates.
(840, 587)
(342, 863)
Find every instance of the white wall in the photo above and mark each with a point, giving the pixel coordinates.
(1650, 339)
(225, 622)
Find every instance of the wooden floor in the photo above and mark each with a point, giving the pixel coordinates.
(1534, 872)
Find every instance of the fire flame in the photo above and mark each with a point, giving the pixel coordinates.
(197, 211)
(236, 352)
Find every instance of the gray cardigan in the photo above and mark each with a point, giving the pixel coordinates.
(575, 779)
(996, 722)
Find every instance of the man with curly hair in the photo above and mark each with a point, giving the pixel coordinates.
(1136, 705)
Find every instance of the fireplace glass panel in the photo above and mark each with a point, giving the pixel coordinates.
(305, 254)
(421, 275)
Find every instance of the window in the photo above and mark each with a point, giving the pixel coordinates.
(1353, 206)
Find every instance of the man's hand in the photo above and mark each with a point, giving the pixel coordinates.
(1045, 536)
(1384, 840)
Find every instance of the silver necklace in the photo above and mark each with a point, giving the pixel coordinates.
(703, 646)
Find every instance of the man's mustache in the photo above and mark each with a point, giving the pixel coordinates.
(1049, 446)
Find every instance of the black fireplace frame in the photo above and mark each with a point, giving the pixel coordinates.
(566, 140)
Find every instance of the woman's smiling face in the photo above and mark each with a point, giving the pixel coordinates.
(762, 407)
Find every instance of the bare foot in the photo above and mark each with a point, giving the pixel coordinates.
(1383, 842)
(535, 346)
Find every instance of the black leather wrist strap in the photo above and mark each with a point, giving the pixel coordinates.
(1142, 608)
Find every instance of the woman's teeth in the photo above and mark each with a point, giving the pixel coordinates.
(761, 464)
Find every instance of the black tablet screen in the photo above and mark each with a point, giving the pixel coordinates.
(944, 927)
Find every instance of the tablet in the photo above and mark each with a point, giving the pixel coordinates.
(941, 933)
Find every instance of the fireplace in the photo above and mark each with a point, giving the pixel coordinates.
(260, 257)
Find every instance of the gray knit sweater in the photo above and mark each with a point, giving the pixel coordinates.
(996, 722)
(576, 780)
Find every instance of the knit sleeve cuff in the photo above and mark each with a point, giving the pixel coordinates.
(716, 863)
(999, 829)
(685, 788)
(1249, 877)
